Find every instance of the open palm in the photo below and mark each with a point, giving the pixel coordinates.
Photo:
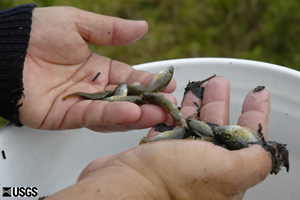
(59, 62)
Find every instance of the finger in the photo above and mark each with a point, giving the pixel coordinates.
(256, 109)
(216, 99)
(253, 164)
(113, 116)
(91, 113)
(190, 105)
(113, 73)
(106, 30)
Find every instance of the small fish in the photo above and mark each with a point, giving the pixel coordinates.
(136, 88)
(167, 104)
(160, 80)
(200, 128)
(134, 99)
(235, 137)
(235, 133)
(91, 96)
(177, 133)
(121, 90)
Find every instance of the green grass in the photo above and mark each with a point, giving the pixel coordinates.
(263, 30)
(2, 122)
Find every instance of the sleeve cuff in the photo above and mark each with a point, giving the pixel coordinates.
(15, 27)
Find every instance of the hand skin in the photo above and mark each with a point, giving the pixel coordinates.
(59, 62)
(183, 169)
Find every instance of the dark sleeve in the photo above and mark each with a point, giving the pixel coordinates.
(15, 26)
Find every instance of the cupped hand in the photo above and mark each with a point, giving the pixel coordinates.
(183, 169)
(59, 62)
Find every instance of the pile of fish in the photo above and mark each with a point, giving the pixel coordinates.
(232, 137)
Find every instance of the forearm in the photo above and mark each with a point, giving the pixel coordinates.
(15, 27)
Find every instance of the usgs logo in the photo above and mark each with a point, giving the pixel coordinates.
(19, 192)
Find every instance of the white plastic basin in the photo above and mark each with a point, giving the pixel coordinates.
(52, 160)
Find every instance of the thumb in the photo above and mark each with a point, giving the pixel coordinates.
(254, 164)
(106, 30)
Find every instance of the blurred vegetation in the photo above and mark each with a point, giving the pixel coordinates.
(263, 30)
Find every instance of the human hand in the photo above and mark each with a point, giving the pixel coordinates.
(60, 62)
(183, 169)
